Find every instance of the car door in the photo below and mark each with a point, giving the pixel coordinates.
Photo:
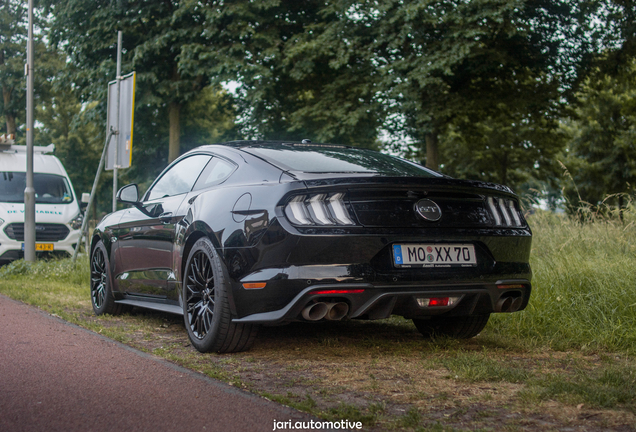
(145, 236)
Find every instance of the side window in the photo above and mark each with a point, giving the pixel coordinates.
(214, 173)
(180, 178)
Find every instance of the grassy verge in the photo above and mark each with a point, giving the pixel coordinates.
(584, 279)
(565, 362)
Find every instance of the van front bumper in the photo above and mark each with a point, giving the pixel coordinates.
(11, 250)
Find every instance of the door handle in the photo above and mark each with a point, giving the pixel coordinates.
(165, 217)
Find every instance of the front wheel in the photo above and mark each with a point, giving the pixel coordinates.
(101, 289)
(460, 327)
(206, 307)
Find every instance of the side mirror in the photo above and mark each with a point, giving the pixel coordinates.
(129, 194)
(86, 197)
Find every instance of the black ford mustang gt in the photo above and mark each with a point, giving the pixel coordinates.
(246, 233)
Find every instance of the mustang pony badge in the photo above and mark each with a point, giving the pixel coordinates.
(428, 210)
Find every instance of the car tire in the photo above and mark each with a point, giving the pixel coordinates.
(101, 290)
(206, 306)
(460, 327)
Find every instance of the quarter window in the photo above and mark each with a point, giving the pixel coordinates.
(180, 178)
(214, 173)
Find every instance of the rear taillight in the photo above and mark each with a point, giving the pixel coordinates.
(318, 209)
(505, 212)
(337, 291)
(426, 302)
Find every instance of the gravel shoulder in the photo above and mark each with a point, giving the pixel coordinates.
(387, 376)
(381, 373)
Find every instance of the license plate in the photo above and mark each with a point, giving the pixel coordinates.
(434, 255)
(41, 247)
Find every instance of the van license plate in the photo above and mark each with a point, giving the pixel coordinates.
(434, 255)
(41, 247)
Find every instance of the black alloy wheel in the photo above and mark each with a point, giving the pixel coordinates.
(206, 307)
(101, 292)
(200, 295)
(98, 278)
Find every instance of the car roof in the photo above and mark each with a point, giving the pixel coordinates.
(42, 163)
(355, 166)
(240, 148)
(277, 144)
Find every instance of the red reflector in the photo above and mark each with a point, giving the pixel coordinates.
(254, 285)
(510, 286)
(439, 301)
(337, 291)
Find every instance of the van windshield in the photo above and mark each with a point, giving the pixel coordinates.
(49, 188)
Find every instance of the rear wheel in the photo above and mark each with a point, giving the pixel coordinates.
(206, 307)
(460, 327)
(101, 290)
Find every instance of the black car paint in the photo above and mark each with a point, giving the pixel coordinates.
(257, 243)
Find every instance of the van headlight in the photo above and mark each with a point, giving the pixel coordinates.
(77, 222)
(1, 222)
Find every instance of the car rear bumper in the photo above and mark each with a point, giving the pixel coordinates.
(293, 269)
(369, 301)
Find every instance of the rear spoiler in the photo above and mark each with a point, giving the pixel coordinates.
(12, 148)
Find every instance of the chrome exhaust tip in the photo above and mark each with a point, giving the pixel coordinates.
(516, 304)
(336, 311)
(315, 311)
(503, 304)
(509, 304)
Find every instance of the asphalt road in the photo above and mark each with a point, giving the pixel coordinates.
(55, 376)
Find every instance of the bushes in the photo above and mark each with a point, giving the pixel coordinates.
(63, 270)
(584, 285)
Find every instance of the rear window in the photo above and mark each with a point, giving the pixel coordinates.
(337, 159)
(49, 188)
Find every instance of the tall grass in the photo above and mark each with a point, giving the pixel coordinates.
(584, 285)
(56, 285)
(63, 270)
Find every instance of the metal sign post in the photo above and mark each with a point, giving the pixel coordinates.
(119, 41)
(93, 190)
(117, 151)
(29, 191)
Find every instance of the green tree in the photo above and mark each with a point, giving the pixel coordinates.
(619, 41)
(174, 110)
(13, 36)
(602, 150)
(516, 149)
(298, 77)
(48, 64)
(337, 69)
(209, 118)
(154, 35)
(458, 63)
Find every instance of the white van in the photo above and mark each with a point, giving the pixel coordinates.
(57, 213)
